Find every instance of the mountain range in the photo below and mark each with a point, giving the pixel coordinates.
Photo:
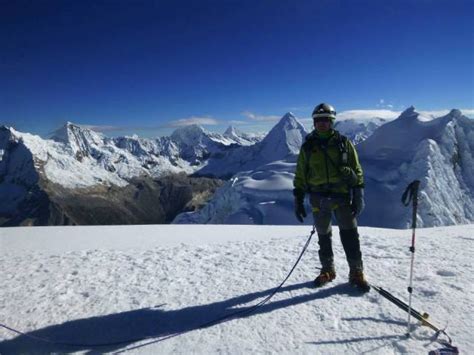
(436, 151)
(79, 176)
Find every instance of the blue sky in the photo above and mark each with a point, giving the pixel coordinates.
(146, 67)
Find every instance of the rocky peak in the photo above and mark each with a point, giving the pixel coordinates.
(409, 113)
(79, 138)
(189, 135)
(231, 131)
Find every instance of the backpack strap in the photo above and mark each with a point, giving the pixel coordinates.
(342, 144)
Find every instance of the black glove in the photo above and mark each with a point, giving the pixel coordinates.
(300, 212)
(358, 203)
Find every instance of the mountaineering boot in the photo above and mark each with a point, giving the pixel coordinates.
(326, 275)
(357, 279)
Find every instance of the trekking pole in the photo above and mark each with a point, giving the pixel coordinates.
(411, 194)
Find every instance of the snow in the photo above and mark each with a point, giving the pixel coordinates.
(240, 137)
(78, 157)
(283, 142)
(110, 283)
(242, 199)
(438, 152)
(358, 130)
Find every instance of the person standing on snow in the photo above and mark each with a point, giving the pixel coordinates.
(328, 169)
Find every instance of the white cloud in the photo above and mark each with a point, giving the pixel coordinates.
(269, 118)
(390, 114)
(193, 120)
(300, 108)
(468, 112)
(238, 122)
(368, 114)
(439, 113)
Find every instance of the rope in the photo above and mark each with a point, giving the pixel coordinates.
(156, 340)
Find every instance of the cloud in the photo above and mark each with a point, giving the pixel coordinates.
(439, 113)
(390, 114)
(301, 108)
(383, 104)
(238, 122)
(468, 112)
(368, 114)
(261, 118)
(205, 121)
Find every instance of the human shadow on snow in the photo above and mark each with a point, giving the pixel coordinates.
(130, 327)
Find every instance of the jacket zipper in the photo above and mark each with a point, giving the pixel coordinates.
(326, 163)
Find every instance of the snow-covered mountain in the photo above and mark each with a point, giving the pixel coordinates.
(438, 152)
(242, 138)
(283, 142)
(358, 130)
(78, 160)
(109, 284)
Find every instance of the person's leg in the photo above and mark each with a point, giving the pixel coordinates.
(351, 244)
(322, 220)
(322, 213)
(349, 236)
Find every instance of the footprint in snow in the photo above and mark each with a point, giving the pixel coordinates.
(455, 287)
(421, 278)
(428, 293)
(446, 273)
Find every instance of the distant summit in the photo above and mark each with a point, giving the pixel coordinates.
(190, 135)
(283, 142)
(81, 140)
(285, 138)
(240, 137)
(231, 131)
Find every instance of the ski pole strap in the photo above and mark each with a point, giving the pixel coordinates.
(411, 193)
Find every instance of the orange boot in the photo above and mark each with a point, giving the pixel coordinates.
(326, 275)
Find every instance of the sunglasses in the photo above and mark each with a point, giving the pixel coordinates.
(322, 120)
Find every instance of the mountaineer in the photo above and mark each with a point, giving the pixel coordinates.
(328, 169)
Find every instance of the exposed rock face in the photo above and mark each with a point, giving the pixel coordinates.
(143, 201)
(82, 177)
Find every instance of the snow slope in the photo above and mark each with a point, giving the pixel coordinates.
(106, 284)
(358, 130)
(283, 142)
(438, 152)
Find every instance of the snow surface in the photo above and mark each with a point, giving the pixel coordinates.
(438, 152)
(106, 284)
